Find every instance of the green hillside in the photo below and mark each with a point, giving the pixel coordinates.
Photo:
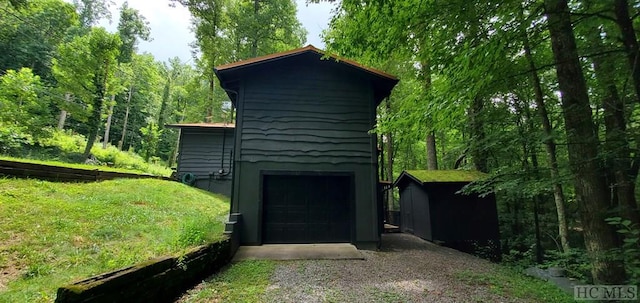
(53, 234)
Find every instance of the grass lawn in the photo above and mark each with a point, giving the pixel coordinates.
(52, 234)
(245, 281)
(510, 283)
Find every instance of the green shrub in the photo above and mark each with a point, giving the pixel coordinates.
(519, 260)
(21, 102)
(67, 146)
(13, 138)
(629, 253)
(575, 262)
(65, 141)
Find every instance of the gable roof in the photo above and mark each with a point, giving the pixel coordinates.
(439, 176)
(227, 73)
(293, 52)
(201, 125)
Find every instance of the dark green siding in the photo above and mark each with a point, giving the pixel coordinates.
(201, 153)
(306, 117)
(415, 209)
(311, 116)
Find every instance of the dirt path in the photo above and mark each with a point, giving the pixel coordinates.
(407, 269)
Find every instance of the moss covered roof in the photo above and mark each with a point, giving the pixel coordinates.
(428, 176)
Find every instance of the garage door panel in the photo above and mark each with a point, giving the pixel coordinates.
(306, 208)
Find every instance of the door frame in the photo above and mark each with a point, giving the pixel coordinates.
(352, 195)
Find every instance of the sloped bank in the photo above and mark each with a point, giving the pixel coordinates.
(158, 280)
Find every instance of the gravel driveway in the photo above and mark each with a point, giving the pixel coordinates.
(406, 269)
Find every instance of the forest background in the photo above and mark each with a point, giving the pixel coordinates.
(541, 95)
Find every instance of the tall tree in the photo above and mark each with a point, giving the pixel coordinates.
(549, 142)
(263, 27)
(29, 36)
(86, 67)
(583, 145)
(132, 26)
(139, 104)
(21, 101)
(91, 11)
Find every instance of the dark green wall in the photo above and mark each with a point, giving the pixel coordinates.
(436, 211)
(416, 215)
(461, 217)
(201, 153)
(305, 114)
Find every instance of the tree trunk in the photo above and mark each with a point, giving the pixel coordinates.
(618, 153)
(254, 41)
(62, 119)
(165, 101)
(432, 156)
(126, 120)
(524, 127)
(94, 119)
(389, 153)
(476, 125)
(550, 148)
(107, 127)
(582, 145)
(621, 8)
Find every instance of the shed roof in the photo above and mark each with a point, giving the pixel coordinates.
(202, 125)
(439, 176)
(227, 73)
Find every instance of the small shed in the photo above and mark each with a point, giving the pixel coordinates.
(306, 166)
(205, 155)
(432, 208)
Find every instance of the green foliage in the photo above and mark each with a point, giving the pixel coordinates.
(132, 25)
(150, 140)
(128, 160)
(20, 103)
(65, 141)
(519, 259)
(629, 253)
(29, 35)
(507, 282)
(91, 11)
(12, 138)
(266, 27)
(575, 262)
(85, 67)
(57, 233)
(63, 147)
(245, 281)
(141, 100)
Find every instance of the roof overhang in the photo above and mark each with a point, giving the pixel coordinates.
(202, 125)
(423, 177)
(230, 74)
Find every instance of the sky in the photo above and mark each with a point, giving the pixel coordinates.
(170, 26)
